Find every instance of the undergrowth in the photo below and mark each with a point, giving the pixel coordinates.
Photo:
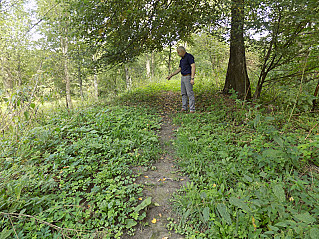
(251, 173)
(71, 176)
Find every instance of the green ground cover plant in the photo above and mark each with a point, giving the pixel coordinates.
(251, 167)
(250, 173)
(71, 175)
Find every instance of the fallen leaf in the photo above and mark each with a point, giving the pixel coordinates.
(154, 220)
(140, 199)
(253, 221)
(160, 215)
(182, 179)
(145, 176)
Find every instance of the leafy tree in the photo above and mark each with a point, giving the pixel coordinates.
(14, 43)
(56, 29)
(120, 31)
(211, 55)
(19, 67)
(128, 28)
(290, 30)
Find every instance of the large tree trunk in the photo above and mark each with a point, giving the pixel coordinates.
(64, 46)
(237, 77)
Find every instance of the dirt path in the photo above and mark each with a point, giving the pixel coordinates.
(160, 182)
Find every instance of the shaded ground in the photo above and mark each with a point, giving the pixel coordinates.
(168, 102)
(163, 179)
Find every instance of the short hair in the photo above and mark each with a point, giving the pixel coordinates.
(181, 48)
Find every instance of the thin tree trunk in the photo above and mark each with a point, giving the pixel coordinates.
(7, 78)
(314, 102)
(237, 77)
(264, 72)
(64, 46)
(19, 83)
(80, 82)
(169, 58)
(96, 86)
(127, 78)
(152, 65)
(67, 85)
(148, 66)
(8, 85)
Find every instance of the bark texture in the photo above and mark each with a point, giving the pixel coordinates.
(237, 77)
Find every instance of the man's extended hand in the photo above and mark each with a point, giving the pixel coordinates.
(169, 77)
(192, 82)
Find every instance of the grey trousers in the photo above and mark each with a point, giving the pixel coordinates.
(187, 91)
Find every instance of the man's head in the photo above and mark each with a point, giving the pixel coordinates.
(181, 51)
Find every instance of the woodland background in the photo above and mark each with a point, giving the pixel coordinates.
(71, 71)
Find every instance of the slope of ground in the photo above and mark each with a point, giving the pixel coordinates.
(91, 172)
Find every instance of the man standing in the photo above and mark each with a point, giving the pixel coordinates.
(187, 69)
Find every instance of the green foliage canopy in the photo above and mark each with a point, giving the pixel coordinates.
(121, 30)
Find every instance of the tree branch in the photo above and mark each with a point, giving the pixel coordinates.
(17, 215)
(38, 22)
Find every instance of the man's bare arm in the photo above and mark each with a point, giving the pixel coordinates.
(193, 73)
(174, 73)
(193, 70)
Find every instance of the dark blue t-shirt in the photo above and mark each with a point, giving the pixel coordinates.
(185, 64)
